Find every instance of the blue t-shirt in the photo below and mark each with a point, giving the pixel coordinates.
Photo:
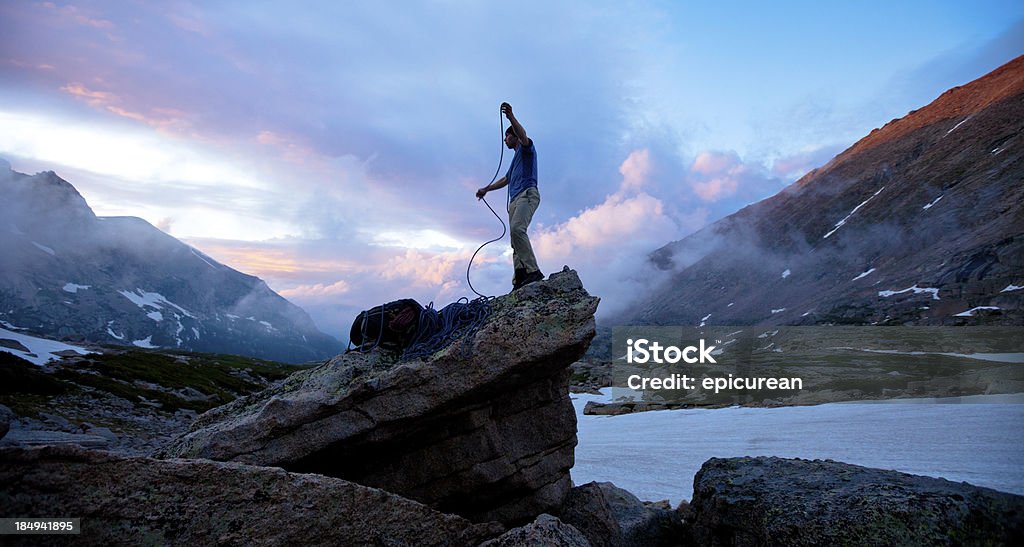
(522, 174)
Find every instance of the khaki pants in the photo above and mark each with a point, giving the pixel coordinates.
(520, 213)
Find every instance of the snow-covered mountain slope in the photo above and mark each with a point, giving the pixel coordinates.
(920, 222)
(67, 273)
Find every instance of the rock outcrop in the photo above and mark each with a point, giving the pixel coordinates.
(546, 530)
(612, 517)
(484, 428)
(142, 501)
(776, 501)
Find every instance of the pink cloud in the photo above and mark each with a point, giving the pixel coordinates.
(75, 15)
(635, 169)
(161, 118)
(317, 290)
(712, 163)
(715, 189)
(425, 269)
(717, 175)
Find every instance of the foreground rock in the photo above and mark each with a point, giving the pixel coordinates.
(775, 501)
(611, 517)
(484, 428)
(135, 501)
(546, 530)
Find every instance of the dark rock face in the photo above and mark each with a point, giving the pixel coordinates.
(486, 430)
(775, 501)
(921, 222)
(546, 530)
(6, 417)
(67, 273)
(612, 517)
(136, 501)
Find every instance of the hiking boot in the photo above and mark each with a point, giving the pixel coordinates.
(531, 277)
(518, 278)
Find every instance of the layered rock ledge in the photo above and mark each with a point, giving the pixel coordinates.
(142, 501)
(484, 428)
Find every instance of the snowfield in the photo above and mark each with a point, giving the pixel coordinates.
(655, 455)
(40, 351)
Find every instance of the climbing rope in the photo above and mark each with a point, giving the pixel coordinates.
(504, 229)
(462, 318)
(438, 329)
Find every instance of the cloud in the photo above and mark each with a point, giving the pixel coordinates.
(717, 175)
(794, 166)
(608, 242)
(77, 16)
(318, 290)
(161, 118)
(725, 179)
(635, 169)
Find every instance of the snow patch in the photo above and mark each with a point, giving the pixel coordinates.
(703, 320)
(40, 350)
(779, 310)
(917, 290)
(786, 273)
(970, 312)
(932, 204)
(146, 342)
(201, 256)
(45, 249)
(115, 335)
(155, 316)
(842, 222)
(959, 124)
(863, 275)
(73, 288)
(154, 300)
(1012, 288)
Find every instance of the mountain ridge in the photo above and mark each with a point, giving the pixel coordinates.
(68, 273)
(919, 222)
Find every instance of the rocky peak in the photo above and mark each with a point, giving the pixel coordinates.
(44, 191)
(956, 104)
(484, 428)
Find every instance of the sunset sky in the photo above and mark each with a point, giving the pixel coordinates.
(333, 148)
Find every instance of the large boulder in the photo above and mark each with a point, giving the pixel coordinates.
(610, 516)
(483, 428)
(135, 501)
(546, 530)
(776, 501)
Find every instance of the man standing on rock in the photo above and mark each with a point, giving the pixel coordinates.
(524, 198)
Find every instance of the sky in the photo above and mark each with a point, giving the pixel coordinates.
(334, 148)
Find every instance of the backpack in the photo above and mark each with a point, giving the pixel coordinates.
(390, 326)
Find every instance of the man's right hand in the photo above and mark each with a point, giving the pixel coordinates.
(481, 193)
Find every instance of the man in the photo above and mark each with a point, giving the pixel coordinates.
(524, 198)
